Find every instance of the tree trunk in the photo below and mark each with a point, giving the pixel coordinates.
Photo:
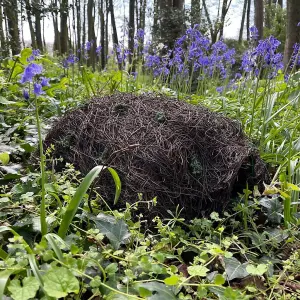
(292, 30)
(225, 8)
(248, 19)
(29, 19)
(259, 17)
(91, 33)
(4, 51)
(84, 24)
(102, 35)
(38, 29)
(131, 34)
(243, 21)
(268, 13)
(78, 20)
(195, 12)
(11, 13)
(64, 26)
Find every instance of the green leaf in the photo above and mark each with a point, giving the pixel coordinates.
(219, 279)
(111, 268)
(115, 230)
(4, 158)
(234, 269)
(201, 292)
(29, 287)
(197, 271)
(4, 277)
(158, 290)
(172, 280)
(59, 282)
(80, 192)
(25, 53)
(4, 101)
(257, 270)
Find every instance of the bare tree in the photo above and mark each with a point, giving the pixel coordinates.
(195, 12)
(11, 14)
(243, 21)
(292, 30)
(248, 19)
(259, 17)
(91, 32)
(64, 37)
(38, 29)
(4, 51)
(131, 33)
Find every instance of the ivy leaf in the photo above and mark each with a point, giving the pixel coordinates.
(234, 269)
(158, 290)
(198, 271)
(59, 281)
(28, 289)
(257, 270)
(115, 230)
(219, 279)
(172, 280)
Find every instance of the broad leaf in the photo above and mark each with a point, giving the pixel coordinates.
(198, 271)
(117, 232)
(4, 276)
(4, 158)
(234, 269)
(158, 290)
(257, 270)
(27, 290)
(59, 282)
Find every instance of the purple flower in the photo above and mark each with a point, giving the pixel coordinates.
(72, 59)
(298, 24)
(140, 34)
(88, 46)
(37, 89)
(220, 89)
(45, 81)
(30, 71)
(253, 32)
(31, 58)
(26, 94)
(98, 50)
(36, 52)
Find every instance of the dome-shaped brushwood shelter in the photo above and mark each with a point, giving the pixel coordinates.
(183, 154)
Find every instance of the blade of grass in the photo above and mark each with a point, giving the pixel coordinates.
(81, 191)
(50, 237)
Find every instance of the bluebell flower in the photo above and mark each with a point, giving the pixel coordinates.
(31, 58)
(298, 24)
(140, 34)
(220, 89)
(30, 71)
(45, 81)
(26, 94)
(253, 32)
(88, 46)
(98, 50)
(72, 59)
(37, 89)
(36, 52)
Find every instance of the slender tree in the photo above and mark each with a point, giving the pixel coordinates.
(243, 21)
(91, 33)
(292, 29)
(259, 17)
(4, 51)
(248, 19)
(195, 12)
(131, 33)
(11, 13)
(78, 23)
(102, 35)
(64, 37)
(38, 28)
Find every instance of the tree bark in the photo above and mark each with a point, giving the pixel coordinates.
(225, 8)
(38, 29)
(91, 33)
(78, 24)
(292, 30)
(195, 12)
(11, 13)
(64, 38)
(248, 19)
(243, 21)
(131, 34)
(4, 51)
(259, 17)
(102, 34)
